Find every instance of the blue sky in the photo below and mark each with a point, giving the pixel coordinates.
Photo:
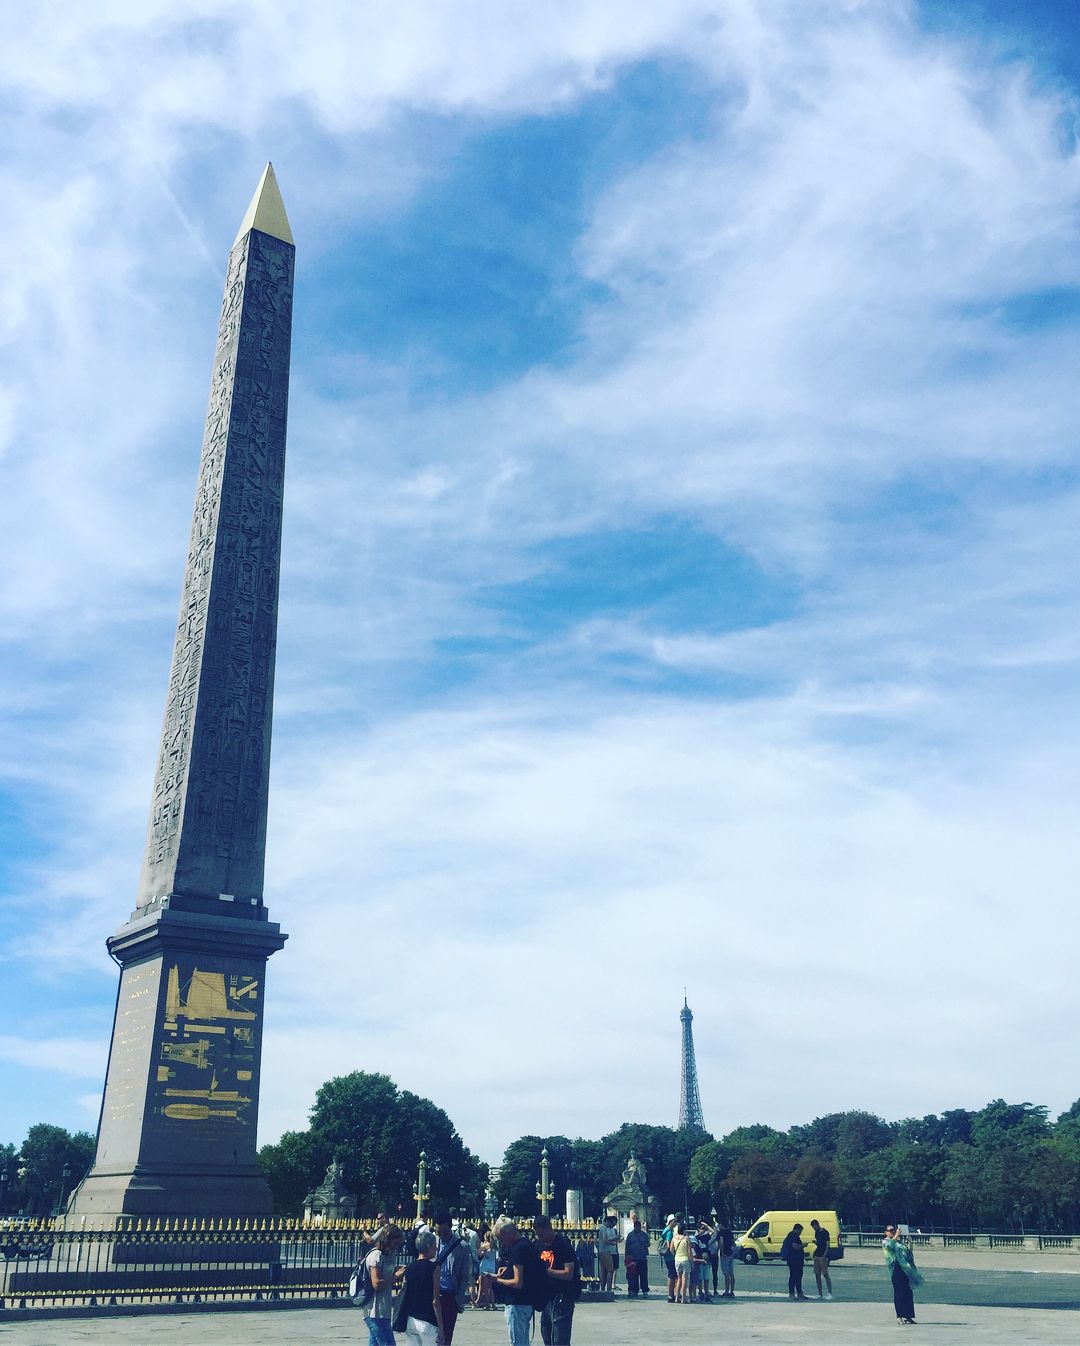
(680, 557)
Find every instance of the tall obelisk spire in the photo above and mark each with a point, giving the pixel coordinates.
(177, 1130)
(207, 836)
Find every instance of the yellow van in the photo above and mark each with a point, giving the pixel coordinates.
(766, 1235)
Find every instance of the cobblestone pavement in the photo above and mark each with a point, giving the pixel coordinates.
(978, 1299)
(757, 1318)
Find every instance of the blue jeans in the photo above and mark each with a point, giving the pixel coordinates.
(518, 1323)
(380, 1333)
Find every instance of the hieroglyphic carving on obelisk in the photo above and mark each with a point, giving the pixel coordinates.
(177, 1130)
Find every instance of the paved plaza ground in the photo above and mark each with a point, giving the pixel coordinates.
(981, 1299)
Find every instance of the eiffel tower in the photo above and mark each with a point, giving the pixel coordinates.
(690, 1116)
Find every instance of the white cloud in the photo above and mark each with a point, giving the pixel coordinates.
(798, 328)
(81, 1057)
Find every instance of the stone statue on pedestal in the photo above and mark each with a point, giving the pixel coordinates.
(632, 1194)
(331, 1200)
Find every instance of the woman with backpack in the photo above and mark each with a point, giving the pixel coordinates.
(379, 1268)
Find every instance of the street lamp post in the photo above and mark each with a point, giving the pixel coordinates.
(420, 1187)
(65, 1178)
(461, 1201)
(543, 1187)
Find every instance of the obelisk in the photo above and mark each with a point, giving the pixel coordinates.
(178, 1118)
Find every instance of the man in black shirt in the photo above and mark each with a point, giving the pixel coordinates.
(513, 1283)
(792, 1252)
(559, 1261)
(821, 1259)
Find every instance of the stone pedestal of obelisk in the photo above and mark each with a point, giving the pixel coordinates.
(178, 1119)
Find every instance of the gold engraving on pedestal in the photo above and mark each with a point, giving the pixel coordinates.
(205, 997)
(187, 1053)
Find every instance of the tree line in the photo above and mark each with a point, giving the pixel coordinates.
(1006, 1166)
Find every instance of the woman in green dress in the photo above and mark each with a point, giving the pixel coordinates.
(903, 1273)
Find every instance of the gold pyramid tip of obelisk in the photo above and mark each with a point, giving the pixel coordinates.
(267, 210)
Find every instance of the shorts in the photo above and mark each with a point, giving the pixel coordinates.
(683, 1268)
(727, 1264)
(669, 1263)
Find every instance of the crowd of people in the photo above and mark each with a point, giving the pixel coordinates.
(451, 1264)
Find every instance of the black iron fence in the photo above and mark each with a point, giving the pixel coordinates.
(43, 1264)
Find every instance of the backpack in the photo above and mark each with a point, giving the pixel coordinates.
(537, 1288)
(576, 1285)
(361, 1290)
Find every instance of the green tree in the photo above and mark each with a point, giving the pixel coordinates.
(46, 1152)
(377, 1132)
(709, 1166)
(1054, 1182)
(755, 1137)
(813, 1182)
(519, 1172)
(292, 1167)
(963, 1189)
(861, 1133)
(587, 1172)
(10, 1179)
(1009, 1124)
(757, 1181)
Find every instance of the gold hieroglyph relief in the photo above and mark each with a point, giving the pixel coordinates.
(206, 998)
(207, 1024)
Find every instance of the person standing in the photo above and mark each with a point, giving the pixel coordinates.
(667, 1256)
(714, 1259)
(607, 1245)
(821, 1259)
(585, 1249)
(420, 1313)
(684, 1265)
(563, 1280)
(489, 1265)
(636, 1254)
(699, 1246)
(379, 1266)
(515, 1279)
(902, 1272)
(454, 1261)
(793, 1253)
(726, 1240)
